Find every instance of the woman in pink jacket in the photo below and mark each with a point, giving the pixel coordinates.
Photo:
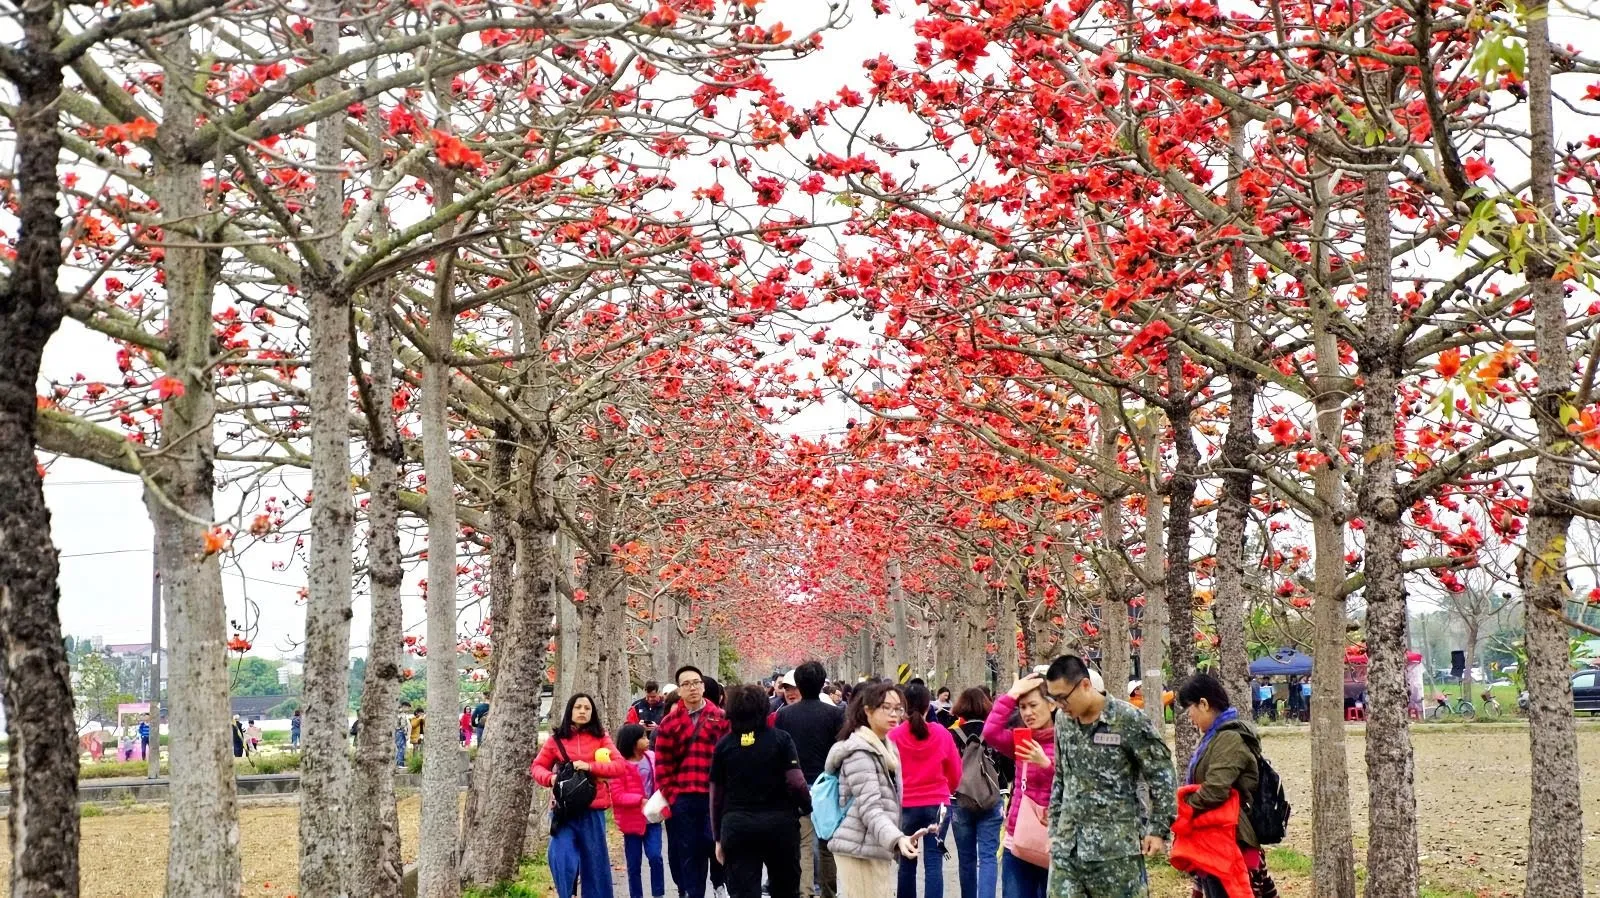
(930, 769)
(578, 851)
(1035, 770)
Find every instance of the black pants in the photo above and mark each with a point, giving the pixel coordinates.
(751, 841)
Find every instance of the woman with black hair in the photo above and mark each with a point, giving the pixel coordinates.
(977, 831)
(930, 771)
(757, 793)
(1224, 763)
(869, 838)
(578, 851)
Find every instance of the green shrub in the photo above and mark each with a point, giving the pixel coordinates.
(414, 762)
(108, 769)
(276, 762)
(90, 809)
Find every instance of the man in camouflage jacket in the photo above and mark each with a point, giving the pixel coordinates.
(1100, 830)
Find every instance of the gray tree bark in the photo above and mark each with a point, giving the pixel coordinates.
(1116, 655)
(1180, 512)
(1555, 819)
(203, 853)
(441, 813)
(1333, 851)
(325, 761)
(35, 684)
(1153, 621)
(1391, 789)
(375, 866)
(1233, 507)
(899, 651)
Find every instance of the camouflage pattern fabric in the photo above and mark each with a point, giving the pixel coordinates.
(1122, 877)
(1096, 815)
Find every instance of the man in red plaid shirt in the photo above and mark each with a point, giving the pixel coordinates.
(684, 745)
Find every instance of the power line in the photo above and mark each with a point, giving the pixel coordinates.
(106, 552)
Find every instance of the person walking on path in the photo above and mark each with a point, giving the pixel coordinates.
(977, 832)
(1224, 762)
(869, 838)
(294, 731)
(419, 727)
(465, 726)
(930, 772)
(1100, 833)
(685, 744)
(648, 710)
(578, 853)
(814, 726)
(641, 839)
(480, 712)
(144, 738)
(757, 794)
(238, 737)
(1034, 758)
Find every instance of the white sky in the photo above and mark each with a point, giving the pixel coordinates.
(99, 522)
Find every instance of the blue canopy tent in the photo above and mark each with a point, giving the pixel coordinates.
(1282, 663)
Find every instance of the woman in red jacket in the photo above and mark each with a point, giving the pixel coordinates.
(578, 851)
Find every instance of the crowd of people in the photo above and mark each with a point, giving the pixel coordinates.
(810, 788)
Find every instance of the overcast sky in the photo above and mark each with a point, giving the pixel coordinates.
(99, 521)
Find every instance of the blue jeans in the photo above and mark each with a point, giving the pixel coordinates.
(1020, 879)
(911, 820)
(977, 849)
(399, 748)
(638, 849)
(578, 854)
(689, 843)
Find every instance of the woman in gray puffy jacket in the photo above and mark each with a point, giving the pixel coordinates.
(868, 767)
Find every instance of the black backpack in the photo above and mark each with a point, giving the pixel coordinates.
(573, 790)
(1268, 807)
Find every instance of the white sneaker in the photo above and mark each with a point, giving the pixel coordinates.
(720, 892)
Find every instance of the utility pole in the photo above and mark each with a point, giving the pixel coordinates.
(154, 759)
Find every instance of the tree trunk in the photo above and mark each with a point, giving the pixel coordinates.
(1153, 622)
(1233, 509)
(1391, 788)
(1333, 851)
(441, 813)
(375, 867)
(325, 759)
(900, 645)
(203, 854)
(1555, 819)
(1180, 511)
(1116, 657)
(495, 834)
(1007, 655)
(35, 683)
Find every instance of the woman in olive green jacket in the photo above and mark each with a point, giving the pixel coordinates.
(1224, 761)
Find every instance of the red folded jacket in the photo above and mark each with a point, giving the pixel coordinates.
(1208, 843)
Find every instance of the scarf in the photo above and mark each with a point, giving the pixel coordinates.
(1224, 717)
(891, 755)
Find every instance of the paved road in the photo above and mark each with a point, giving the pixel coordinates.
(619, 870)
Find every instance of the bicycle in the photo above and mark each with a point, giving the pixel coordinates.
(1491, 707)
(1443, 710)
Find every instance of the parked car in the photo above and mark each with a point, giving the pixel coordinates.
(1585, 693)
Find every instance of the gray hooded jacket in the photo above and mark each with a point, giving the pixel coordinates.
(871, 828)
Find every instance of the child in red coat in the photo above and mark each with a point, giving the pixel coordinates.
(641, 839)
(578, 851)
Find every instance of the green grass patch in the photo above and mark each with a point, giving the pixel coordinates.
(90, 809)
(1288, 861)
(533, 881)
(111, 769)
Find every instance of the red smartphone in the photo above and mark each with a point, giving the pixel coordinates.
(1021, 739)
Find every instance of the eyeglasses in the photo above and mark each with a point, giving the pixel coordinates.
(1063, 699)
(891, 709)
(691, 684)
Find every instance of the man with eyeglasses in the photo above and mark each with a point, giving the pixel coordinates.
(685, 743)
(1100, 831)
